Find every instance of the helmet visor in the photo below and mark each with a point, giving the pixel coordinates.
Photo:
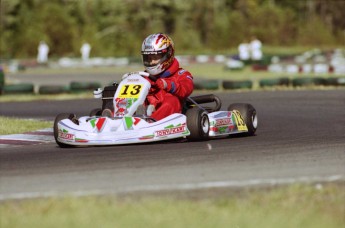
(153, 59)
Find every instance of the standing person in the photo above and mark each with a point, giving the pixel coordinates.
(255, 47)
(85, 51)
(170, 84)
(43, 50)
(243, 50)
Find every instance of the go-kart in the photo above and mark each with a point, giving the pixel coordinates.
(123, 118)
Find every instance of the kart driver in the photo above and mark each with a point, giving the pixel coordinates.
(170, 84)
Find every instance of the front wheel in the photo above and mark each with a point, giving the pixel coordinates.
(58, 118)
(248, 113)
(198, 124)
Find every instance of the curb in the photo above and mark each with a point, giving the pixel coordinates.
(28, 138)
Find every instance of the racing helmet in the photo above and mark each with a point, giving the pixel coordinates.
(157, 53)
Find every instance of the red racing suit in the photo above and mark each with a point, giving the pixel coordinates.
(179, 86)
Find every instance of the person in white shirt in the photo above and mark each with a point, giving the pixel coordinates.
(85, 51)
(43, 50)
(255, 47)
(243, 50)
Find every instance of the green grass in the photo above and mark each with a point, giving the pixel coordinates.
(293, 206)
(9, 125)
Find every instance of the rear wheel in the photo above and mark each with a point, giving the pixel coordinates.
(198, 124)
(96, 112)
(249, 116)
(58, 118)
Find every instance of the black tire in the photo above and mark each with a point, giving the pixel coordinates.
(77, 87)
(198, 85)
(53, 89)
(210, 84)
(59, 117)
(308, 81)
(334, 81)
(198, 124)
(96, 112)
(274, 82)
(246, 84)
(23, 88)
(2, 80)
(249, 116)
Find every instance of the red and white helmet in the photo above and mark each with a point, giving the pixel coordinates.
(157, 51)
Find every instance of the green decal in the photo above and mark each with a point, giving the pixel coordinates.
(93, 122)
(129, 122)
(169, 126)
(186, 132)
(222, 129)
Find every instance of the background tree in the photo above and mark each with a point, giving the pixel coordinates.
(117, 27)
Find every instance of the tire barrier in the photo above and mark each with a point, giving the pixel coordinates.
(207, 85)
(18, 88)
(210, 84)
(198, 85)
(77, 87)
(2, 79)
(335, 81)
(53, 89)
(246, 84)
(308, 81)
(274, 82)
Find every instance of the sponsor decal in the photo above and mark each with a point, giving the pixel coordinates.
(181, 72)
(122, 105)
(65, 135)
(222, 122)
(170, 131)
(241, 126)
(132, 80)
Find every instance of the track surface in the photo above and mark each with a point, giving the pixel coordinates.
(301, 136)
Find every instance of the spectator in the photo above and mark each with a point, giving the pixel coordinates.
(255, 48)
(43, 50)
(243, 50)
(85, 51)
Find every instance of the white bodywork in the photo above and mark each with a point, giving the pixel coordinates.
(124, 127)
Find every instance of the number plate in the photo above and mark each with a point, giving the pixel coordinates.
(130, 91)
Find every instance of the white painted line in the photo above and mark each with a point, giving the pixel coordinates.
(175, 187)
(46, 130)
(27, 137)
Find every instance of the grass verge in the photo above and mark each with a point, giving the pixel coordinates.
(291, 206)
(21, 125)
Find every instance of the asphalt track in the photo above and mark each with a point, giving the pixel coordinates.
(300, 138)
